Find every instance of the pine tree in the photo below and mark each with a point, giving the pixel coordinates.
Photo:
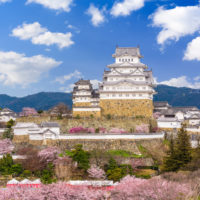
(183, 148)
(179, 152)
(170, 162)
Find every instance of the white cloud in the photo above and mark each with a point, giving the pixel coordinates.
(60, 39)
(193, 50)
(18, 69)
(182, 81)
(96, 14)
(125, 7)
(5, 1)
(63, 79)
(95, 83)
(40, 35)
(176, 22)
(28, 31)
(59, 5)
(67, 89)
(197, 78)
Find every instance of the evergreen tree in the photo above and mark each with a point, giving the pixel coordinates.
(179, 153)
(170, 163)
(183, 148)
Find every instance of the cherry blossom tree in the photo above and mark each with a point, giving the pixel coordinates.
(143, 128)
(6, 146)
(49, 154)
(96, 172)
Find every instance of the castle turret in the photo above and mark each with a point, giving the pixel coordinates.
(85, 100)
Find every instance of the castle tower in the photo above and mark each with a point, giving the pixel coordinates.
(127, 87)
(85, 100)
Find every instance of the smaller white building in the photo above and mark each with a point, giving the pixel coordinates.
(194, 119)
(46, 130)
(6, 115)
(169, 123)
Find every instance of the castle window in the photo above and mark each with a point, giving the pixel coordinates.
(140, 95)
(127, 95)
(120, 95)
(137, 88)
(113, 95)
(120, 60)
(129, 60)
(133, 95)
(144, 88)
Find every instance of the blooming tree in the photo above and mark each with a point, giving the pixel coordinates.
(156, 189)
(96, 172)
(6, 146)
(117, 130)
(49, 154)
(143, 128)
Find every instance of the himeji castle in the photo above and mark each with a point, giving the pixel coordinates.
(126, 89)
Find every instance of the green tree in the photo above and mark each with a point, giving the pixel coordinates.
(8, 134)
(10, 123)
(115, 172)
(47, 174)
(180, 152)
(8, 167)
(170, 162)
(183, 147)
(81, 157)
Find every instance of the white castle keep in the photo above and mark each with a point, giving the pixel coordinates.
(126, 89)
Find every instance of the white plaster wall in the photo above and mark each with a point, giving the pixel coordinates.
(194, 121)
(21, 131)
(179, 116)
(131, 59)
(124, 96)
(172, 124)
(113, 137)
(86, 109)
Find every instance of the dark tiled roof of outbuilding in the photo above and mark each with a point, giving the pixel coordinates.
(49, 124)
(160, 103)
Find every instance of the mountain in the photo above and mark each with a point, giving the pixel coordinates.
(42, 100)
(45, 100)
(178, 96)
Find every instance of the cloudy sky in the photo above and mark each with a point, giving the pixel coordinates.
(46, 45)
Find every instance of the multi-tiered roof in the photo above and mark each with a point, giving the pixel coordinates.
(127, 78)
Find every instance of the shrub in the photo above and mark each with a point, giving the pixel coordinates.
(77, 117)
(108, 116)
(81, 157)
(96, 172)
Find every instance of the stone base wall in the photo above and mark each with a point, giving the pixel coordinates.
(127, 108)
(21, 139)
(96, 114)
(82, 104)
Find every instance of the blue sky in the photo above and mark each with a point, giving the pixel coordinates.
(48, 45)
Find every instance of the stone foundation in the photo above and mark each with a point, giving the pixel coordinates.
(127, 108)
(96, 114)
(82, 104)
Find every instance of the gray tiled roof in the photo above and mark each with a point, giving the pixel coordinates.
(132, 51)
(126, 64)
(83, 82)
(160, 103)
(49, 124)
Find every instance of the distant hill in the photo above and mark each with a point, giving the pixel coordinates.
(46, 100)
(178, 96)
(42, 100)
